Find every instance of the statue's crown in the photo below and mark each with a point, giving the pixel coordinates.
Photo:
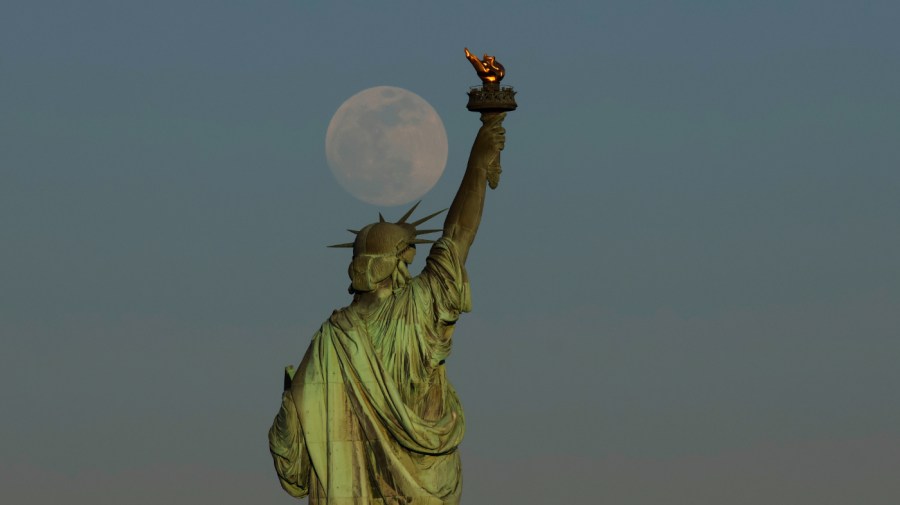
(384, 238)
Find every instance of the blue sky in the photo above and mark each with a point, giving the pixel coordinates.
(686, 287)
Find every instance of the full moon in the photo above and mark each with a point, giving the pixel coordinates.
(386, 146)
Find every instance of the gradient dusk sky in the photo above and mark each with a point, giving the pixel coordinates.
(686, 288)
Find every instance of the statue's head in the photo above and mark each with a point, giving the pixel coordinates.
(382, 250)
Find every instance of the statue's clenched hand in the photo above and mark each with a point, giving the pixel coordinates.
(490, 141)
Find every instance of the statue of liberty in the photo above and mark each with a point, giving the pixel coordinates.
(369, 416)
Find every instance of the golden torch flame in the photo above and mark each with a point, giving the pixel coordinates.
(489, 70)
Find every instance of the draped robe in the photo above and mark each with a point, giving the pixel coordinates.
(370, 417)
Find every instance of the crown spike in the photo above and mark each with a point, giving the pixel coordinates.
(355, 232)
(346, 245)
(426, 218)
(408, 213)
(422, 232)
(380, 218)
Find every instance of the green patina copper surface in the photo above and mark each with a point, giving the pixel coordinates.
(370, 408)
(369, 417)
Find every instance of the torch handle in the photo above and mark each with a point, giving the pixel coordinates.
(493, 169)
(493, 173)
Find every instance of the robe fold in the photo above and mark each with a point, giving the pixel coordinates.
(370, 417)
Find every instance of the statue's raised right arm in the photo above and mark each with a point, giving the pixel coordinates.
(464, 216)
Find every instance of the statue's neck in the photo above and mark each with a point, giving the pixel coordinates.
(368, 301)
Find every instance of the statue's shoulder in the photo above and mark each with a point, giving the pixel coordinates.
(342, 316)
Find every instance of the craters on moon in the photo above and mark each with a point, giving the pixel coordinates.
(386, 146)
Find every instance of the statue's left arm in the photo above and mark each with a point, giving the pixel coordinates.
(464, 215)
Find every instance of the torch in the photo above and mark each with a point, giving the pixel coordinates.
(490, 98)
